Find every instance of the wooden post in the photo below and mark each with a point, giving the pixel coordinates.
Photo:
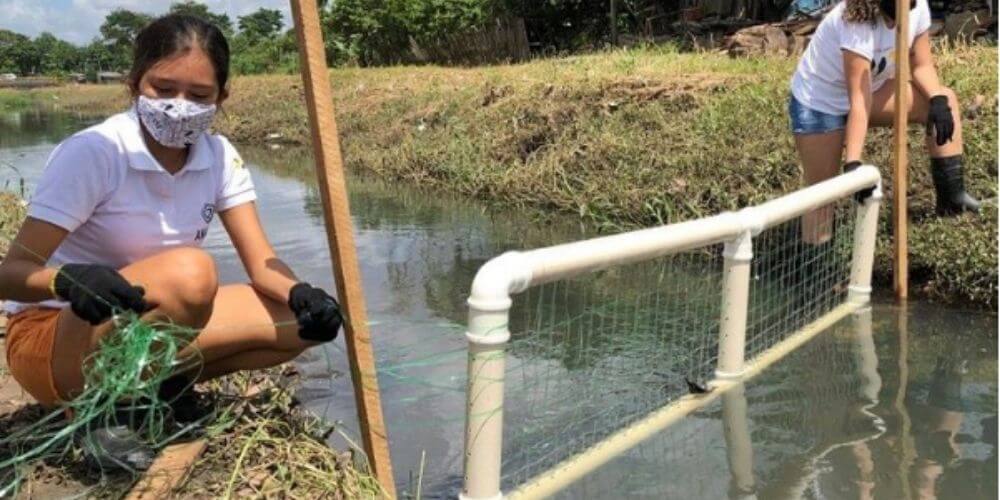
(340, 236)
(900, 267)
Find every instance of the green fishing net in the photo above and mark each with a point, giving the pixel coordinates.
(122, 377)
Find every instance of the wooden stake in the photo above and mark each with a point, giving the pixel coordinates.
(168, 472)
(900, 267)
(340, 236)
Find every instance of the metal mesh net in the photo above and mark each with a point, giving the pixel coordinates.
(591, 355)
(796, 412)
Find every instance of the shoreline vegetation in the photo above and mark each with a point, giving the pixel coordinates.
(625, 138)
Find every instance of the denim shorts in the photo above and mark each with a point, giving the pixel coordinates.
(809, 121)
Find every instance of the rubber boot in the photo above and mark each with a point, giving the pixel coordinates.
(949, 184)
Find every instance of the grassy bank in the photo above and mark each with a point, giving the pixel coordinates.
(625, 139)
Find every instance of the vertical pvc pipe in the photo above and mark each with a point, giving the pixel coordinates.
(867, 359)
(865, 232)
(739, 448)
(735, 296)
(488, 336)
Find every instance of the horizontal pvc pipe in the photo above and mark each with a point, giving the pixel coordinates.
(562, 475)
(571, 259)
(818, 195)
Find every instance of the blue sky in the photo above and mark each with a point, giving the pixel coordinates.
(78, 21)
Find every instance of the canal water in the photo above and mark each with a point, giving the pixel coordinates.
(889, 403)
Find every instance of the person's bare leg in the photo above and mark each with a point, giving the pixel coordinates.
(247, 331)
(246, 360)
(182, 283)
(820, 155)
(884, 109)
(946, 159)
(240, 328)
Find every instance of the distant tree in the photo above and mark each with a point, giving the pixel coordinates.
(24, 57)
(200, 10)
(121, 26)
(379, 31)
(11, 44)
(55, 55)
(370, 31)
(119, 30)
(261, 25)
(95, 57)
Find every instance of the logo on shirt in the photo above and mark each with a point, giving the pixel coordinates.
(207, 212)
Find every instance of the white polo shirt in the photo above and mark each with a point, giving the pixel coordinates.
(820, 82)
(120, 206)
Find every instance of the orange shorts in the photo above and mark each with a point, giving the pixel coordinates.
(31, 335)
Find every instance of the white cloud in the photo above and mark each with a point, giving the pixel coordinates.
(78, 21)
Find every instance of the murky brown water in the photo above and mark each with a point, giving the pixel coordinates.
(901, 403)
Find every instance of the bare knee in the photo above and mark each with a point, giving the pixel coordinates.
(920, 112)
(189, 280)
(952, 97)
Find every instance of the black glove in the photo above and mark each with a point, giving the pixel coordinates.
(939, 120)
(316, 311)
(95, 292)
(865, 193)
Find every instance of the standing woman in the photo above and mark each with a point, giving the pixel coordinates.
(844, 85)
(117, 221)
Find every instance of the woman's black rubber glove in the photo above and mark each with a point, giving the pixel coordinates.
(862, 195)
(317, 313)
(96, 292)
(939, 120)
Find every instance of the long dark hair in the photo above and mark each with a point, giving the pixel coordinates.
(175, 33)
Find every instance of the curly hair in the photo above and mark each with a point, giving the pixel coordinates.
(861, 11)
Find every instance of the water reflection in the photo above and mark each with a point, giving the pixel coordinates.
(881, 406)
(33, 127)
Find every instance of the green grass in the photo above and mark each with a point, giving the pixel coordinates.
(11, 100)
(625, 138)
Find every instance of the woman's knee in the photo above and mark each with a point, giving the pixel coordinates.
(952, 97)
(189, 277)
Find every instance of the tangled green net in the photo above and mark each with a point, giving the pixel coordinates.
(122, 376)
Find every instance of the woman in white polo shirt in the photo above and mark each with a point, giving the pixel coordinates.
(844, 85)
(117, 220)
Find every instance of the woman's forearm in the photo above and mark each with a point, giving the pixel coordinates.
(274, 279)
(25, 281)
(854, 133)
(925, 79)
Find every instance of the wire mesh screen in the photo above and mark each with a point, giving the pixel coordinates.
(589, 356)
(801, 410)
(800, 272)
(687, 461)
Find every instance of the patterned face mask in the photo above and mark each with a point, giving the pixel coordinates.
(176, 122)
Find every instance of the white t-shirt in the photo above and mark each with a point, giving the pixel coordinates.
(120, 206)
(820, 82)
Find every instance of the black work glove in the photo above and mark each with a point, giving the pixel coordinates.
(939, 120)
(865, 193)
(316, 311)
(96, 292)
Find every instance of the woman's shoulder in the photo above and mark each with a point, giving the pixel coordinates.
(223, 151)
(107, 136)
(99, 141)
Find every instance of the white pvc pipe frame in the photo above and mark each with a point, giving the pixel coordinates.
(513, 272)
